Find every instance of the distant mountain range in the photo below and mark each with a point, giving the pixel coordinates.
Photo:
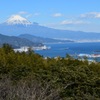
(17, 42)
(27, 40)
(37, 39)
(17, 25)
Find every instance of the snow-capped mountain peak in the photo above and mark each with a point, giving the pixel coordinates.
(17, 19)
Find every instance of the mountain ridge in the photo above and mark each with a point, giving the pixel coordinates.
(17, 42)
(46, 32)
(42, 40)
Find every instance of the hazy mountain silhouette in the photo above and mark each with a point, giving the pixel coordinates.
(17, 42)
(17, 25)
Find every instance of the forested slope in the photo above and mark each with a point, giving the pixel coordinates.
(28, 76)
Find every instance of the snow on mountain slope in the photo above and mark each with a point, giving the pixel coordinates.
(17, 19)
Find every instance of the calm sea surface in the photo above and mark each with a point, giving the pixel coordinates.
(70, 48)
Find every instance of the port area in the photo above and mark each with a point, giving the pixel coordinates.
(89, 55)
(26, 48)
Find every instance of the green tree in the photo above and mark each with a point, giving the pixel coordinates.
(7, 48)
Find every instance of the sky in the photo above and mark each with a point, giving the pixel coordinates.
(78, 15)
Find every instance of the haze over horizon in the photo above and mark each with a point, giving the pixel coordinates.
(68, 15)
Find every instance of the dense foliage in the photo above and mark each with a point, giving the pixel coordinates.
(29, 76)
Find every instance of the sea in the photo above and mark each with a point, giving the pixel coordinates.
(71, 48)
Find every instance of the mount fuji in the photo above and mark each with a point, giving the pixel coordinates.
(17, 25)
(17, 20)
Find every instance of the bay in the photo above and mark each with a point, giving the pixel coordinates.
(61, 49)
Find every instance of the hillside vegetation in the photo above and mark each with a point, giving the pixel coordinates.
(28, 76)
(17, 42)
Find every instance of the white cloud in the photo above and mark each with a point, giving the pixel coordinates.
(57, 15)
(32, 15)
(91, 15)
(36, 14)
(72, 22)
(28, 15)
(22, 12)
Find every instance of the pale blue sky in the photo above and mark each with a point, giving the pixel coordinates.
(82, 15)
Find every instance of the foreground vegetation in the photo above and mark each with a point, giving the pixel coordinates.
(28, 76)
